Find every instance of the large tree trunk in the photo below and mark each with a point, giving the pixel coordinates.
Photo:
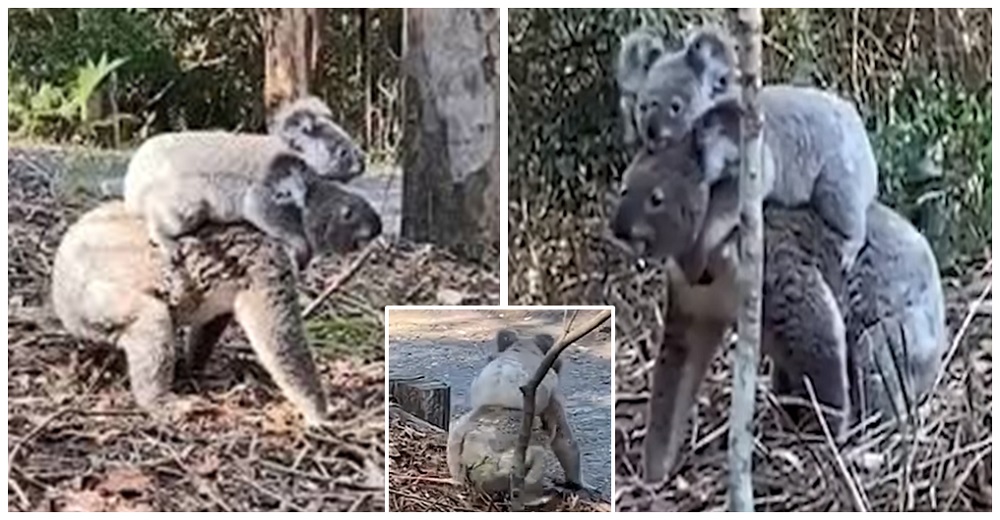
(748, 35)
(291, 53)
(451, 164)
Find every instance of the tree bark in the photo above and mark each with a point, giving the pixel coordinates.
(749, 24)
(451, 163)
(292, 42)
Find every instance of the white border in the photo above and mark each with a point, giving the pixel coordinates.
(445, 308)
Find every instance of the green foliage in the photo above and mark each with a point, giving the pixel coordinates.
(188, 69)
(934, 148)
(346, 336)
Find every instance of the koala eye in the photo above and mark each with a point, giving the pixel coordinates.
(623, 191)
(676, 106)
(346, 213)
(656, 198)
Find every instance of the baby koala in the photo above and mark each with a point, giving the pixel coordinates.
(180, 181)
(481, 443)
(816, 149)
(306, 126)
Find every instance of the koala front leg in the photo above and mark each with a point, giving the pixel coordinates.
(685, 354)
(148, 342)
(563, 443)
(269, 314)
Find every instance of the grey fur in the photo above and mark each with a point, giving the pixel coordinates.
(813, 317)
(180, 181)
(815, 144)
(496, 399)
(306, 125)
(107, 286)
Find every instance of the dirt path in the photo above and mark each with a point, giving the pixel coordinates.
(452, 347)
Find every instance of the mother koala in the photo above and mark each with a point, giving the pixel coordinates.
(869, 339)
(108, 285)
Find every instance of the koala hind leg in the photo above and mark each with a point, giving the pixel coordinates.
(563, 443)
(843, 208)
(148, 342)
(269, 314)
(201, 340)
(806, 337)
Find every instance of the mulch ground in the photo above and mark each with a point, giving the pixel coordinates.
(76, 441)
(419, 478)
(940, 463)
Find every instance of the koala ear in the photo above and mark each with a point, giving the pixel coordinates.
(711, 54)
(638, 50)
(544, 342)
(505, 338)
(716, 137)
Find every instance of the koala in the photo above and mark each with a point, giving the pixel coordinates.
(481, 452)
(816, 149)
(638, 50)
(306, 125)
(481, 443)
(179, 181)
(868, 339)
(107, 287)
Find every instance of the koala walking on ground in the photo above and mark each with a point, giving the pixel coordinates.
(107, 287)
(179, 181)
(481, 443)
(815, 323)
(816, 149)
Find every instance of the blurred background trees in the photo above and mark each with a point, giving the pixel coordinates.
(921, 79)
(189, 69)
(112, 77)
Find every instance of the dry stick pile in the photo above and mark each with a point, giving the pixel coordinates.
(944, 465)
(77, 441)
(419, 478)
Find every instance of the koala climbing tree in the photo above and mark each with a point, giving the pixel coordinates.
(528, 406)
(749, 24)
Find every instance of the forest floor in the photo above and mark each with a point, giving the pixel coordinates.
(451, 346)
(76, 440)
(940, 462)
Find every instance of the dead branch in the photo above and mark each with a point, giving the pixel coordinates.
(528, 390)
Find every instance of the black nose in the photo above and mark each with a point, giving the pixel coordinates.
(621, 229)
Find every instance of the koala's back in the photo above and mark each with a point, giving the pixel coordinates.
(491, 439)
(102, 266)
(214, 166)
(809, 131)
(499, 383)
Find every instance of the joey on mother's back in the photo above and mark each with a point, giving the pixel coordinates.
(107, 286)
(816, 148)
(813, 316)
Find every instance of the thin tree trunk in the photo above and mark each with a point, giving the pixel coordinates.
(749, 24)
(292, 41)
(366, 73)
(451, 166)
